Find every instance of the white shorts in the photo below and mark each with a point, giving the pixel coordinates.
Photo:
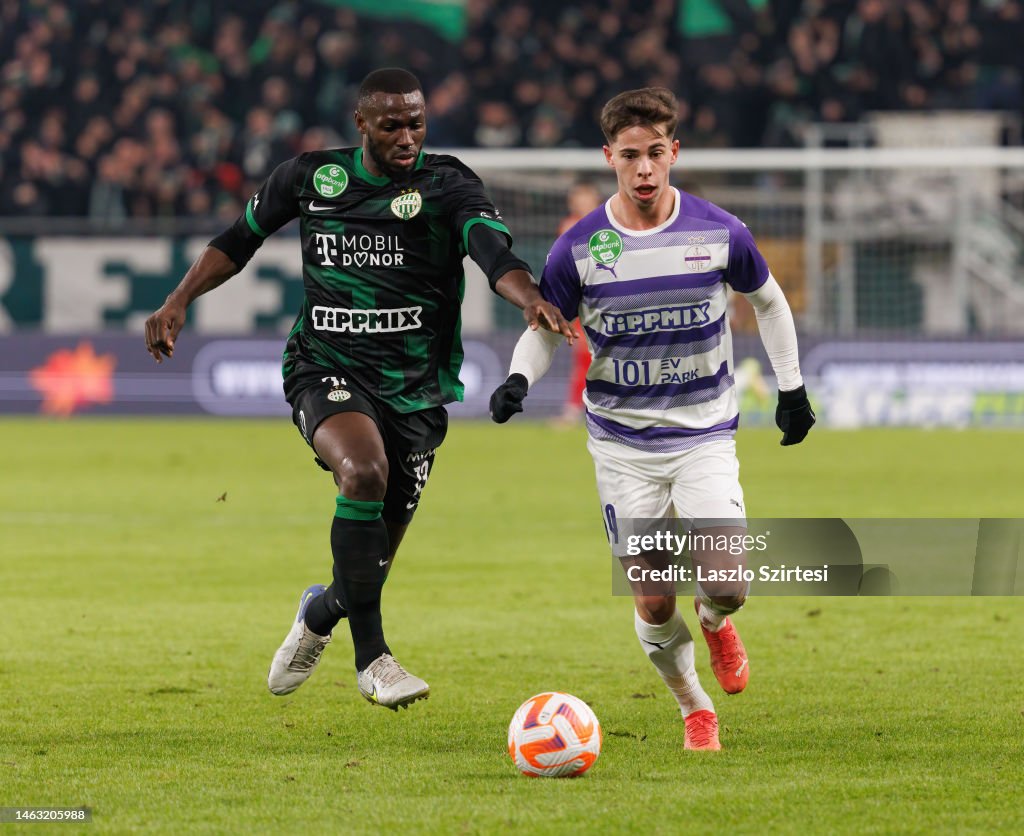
(700, 483)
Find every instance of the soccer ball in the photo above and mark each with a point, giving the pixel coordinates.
(555, 735)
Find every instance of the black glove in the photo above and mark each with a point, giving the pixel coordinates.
(507, 399)
(793, 416)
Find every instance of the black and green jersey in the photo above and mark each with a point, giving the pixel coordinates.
(381, 267)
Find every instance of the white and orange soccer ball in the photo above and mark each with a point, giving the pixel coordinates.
(555, 735)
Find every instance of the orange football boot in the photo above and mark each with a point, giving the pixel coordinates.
(702, 730)
(728, 656)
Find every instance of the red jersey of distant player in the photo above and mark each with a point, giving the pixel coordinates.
(583, 198)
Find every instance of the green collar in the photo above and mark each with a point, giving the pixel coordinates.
(376, 180)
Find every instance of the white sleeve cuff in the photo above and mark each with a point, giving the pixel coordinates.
(533, 354)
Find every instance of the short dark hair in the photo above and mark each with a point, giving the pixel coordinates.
(388, 80)
(650, 107)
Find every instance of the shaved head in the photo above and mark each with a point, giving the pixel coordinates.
(391, 80)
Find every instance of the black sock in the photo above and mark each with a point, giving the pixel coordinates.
(325, 611)
(359, 541)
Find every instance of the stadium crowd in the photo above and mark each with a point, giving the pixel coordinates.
(152, 108)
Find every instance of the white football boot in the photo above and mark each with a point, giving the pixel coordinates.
(385, 682)
(298, 657)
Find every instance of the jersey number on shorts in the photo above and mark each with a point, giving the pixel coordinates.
(422, 471)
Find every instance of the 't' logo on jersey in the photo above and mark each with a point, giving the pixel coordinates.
(359, 250)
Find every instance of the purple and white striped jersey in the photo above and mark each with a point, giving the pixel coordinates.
(653, 307)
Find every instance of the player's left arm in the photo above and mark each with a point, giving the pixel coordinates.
(487, 240)
(749, 275)
(560, 285)
(509, 277)
(530, 361)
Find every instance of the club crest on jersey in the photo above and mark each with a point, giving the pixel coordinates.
(338, 395)
(697, 259)
(330, 180)
(407, 205)
(605, 247)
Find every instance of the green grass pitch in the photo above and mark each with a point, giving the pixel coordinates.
(138, 616)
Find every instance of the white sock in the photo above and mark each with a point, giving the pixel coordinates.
(711, 615)
(710, 620)
(669, 646)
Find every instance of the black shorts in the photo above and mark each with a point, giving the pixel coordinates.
(410, 439)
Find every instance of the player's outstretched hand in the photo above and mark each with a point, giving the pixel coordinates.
(507, 399)
(545, 314)
(162, 329)
(794, 416)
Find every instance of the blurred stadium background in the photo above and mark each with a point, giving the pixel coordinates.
(873, 147)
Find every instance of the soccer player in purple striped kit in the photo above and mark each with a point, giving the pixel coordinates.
(646, 272)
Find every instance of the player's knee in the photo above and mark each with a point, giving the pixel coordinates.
(362, 479)
(655, 609)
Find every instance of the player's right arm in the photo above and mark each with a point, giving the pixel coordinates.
(271, 207)
(560, 285)
(210, 270)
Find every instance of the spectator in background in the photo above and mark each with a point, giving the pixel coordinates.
(247, 82)
(257, 149)
(497, 126)
(337, 51)
(108, 201)
(451, 119)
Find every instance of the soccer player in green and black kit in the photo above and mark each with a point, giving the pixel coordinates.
(375, 352)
